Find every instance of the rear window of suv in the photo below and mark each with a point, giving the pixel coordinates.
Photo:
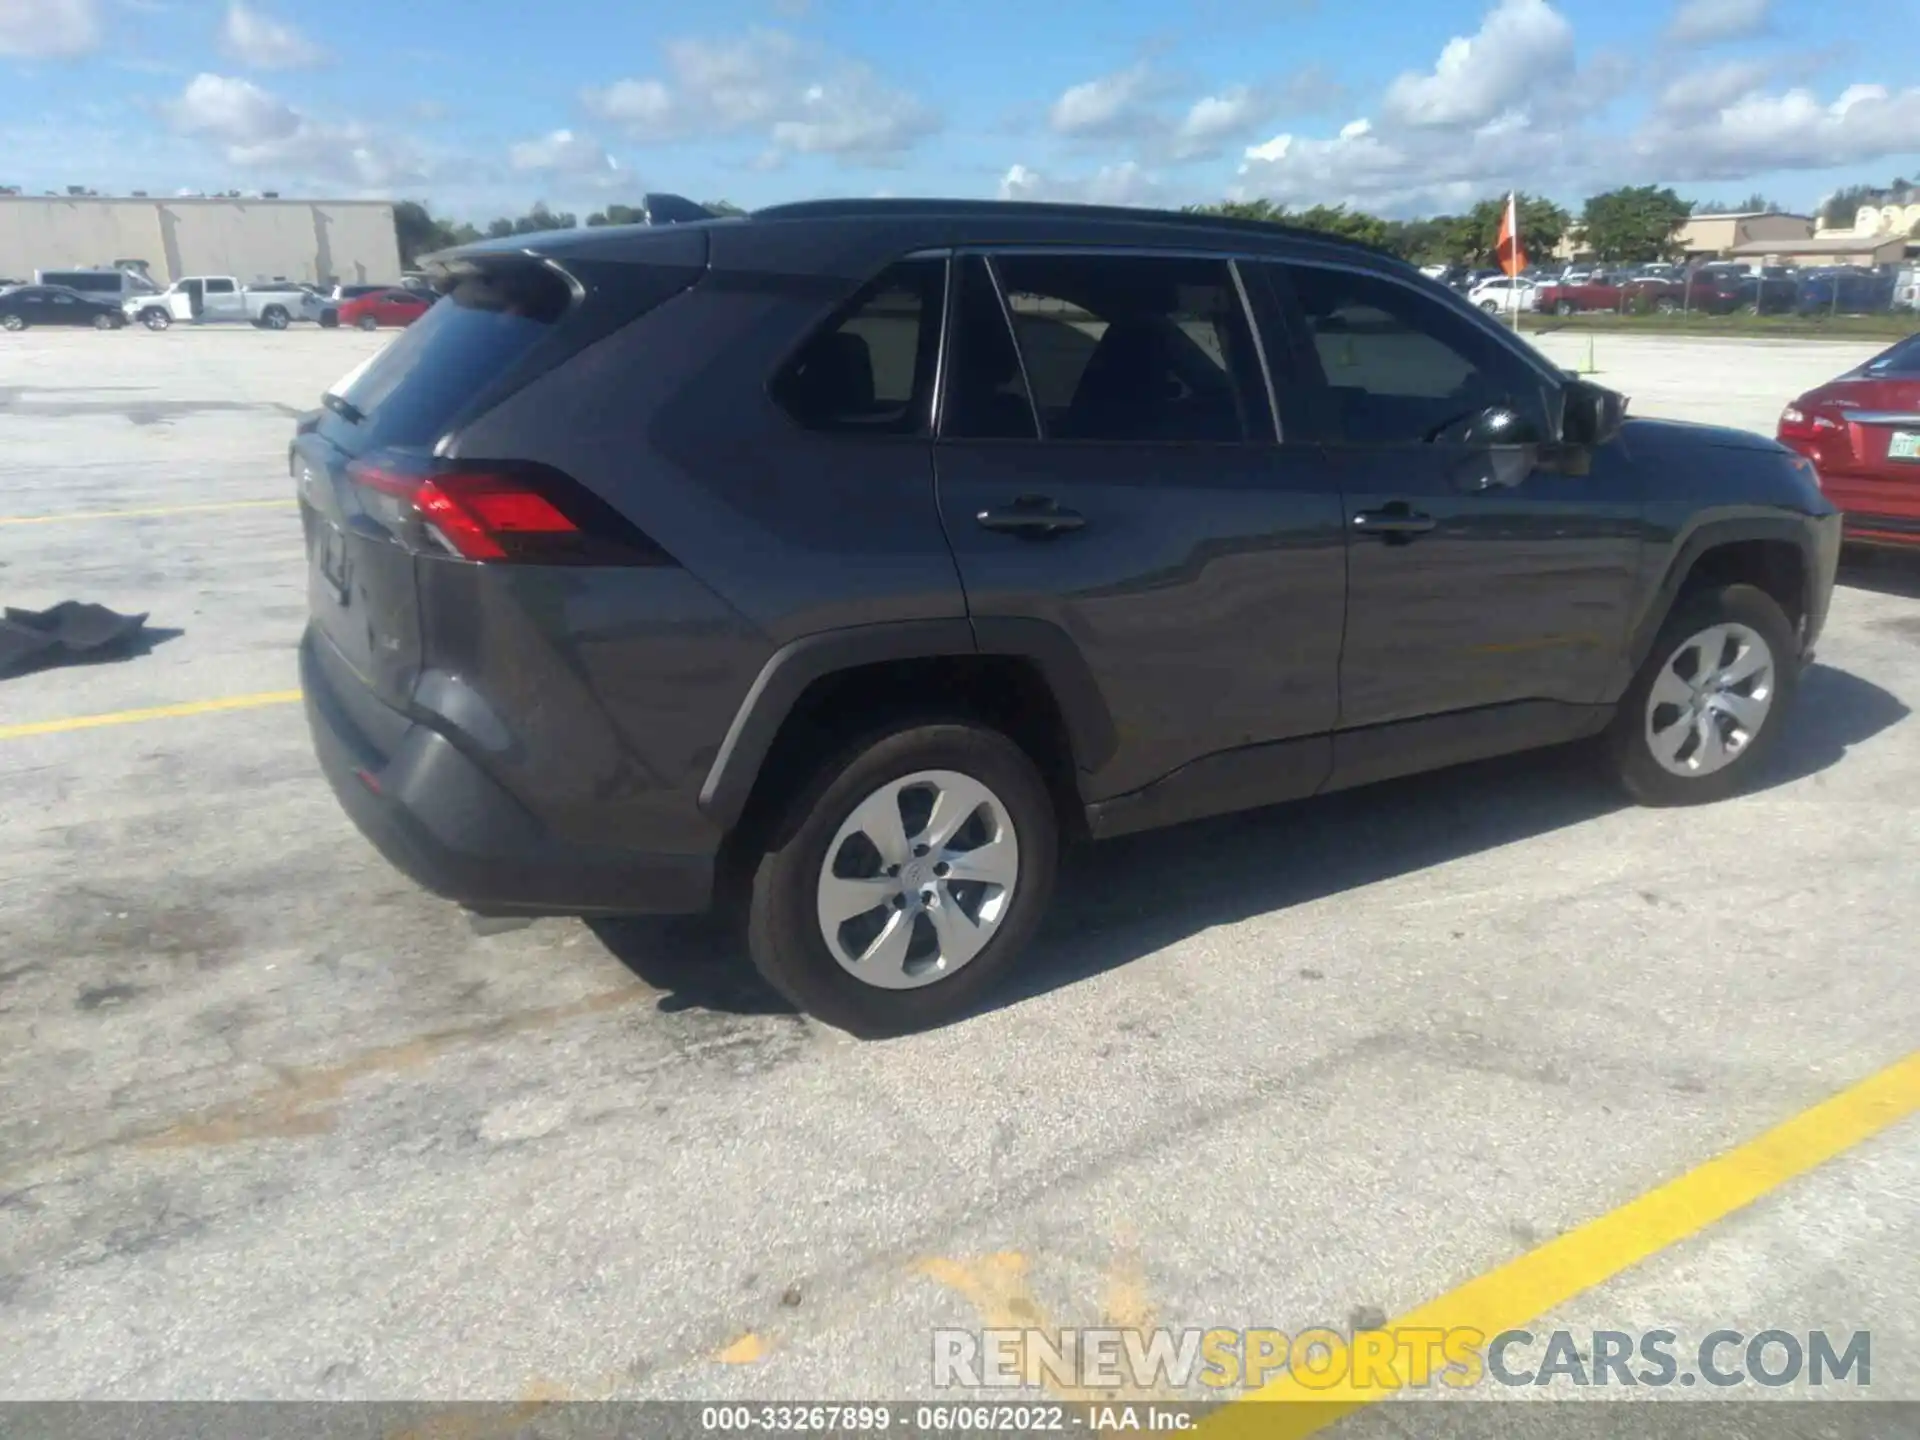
(413, 389)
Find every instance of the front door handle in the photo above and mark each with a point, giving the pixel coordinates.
(1396, 521)
(1034, 516)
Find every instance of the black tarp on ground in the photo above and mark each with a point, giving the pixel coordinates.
(71, 630)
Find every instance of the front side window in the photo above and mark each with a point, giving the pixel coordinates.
(1135, 348)
(219, 287)
(1399, 367)
(869, 370)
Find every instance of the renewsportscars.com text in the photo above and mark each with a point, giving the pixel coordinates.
(1110, 1359)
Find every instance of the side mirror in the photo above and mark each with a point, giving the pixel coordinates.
(1501, 427)
(1591, 414)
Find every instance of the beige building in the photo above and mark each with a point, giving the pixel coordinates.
(1705, 237)
(351, 241)
(1827, 250)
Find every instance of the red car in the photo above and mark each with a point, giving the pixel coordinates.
(1862, 432)
(384, 307)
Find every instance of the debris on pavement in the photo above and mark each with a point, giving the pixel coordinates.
(71, 631)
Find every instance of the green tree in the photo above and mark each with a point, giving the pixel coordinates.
(536, 220)
(1634, 224)
(420, 233)
(1843, 206)
(1474, 235)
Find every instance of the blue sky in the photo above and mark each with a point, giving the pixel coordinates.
(1403, 106)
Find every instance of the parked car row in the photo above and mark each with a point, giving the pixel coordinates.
(214, 300)
(1721, 288)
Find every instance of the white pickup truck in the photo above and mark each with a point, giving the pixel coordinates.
(222, 300)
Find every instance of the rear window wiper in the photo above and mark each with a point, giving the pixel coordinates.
(344, 408)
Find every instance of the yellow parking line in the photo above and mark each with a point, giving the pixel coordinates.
(155, 712)
(141, 514)
(1571, 1264)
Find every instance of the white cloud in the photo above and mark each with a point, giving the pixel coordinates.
(801, 97)
(1107, 105)
(257, 130)
(1790, 130)
(254, 38)
(560, 151)
(1522, 47)
(1702, 22)
(1212, 118)
(1123, 184)
(49, 29)
(1713, 87)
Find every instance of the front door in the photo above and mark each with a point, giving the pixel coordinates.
(1116, 474)
(1482, 571)
(224, 302)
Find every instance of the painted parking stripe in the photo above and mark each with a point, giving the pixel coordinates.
(155, 712)
(1546, 1278)
(210, 508)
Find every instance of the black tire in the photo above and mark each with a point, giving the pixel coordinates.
(154, 318)
(1629, 750)
(105, 322)
(1666, 305)
(274, 317)
(783, 930)
(15, 323)
(1564, 307)
(367, 322)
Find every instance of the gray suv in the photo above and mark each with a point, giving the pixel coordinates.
(839, 563)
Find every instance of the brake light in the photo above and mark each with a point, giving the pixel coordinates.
(1796, 424)
(518, 513)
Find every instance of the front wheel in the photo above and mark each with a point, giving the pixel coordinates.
(1492, 307)
(155, 319)
(1666, 306)
(105, 322)
(274, 318)
(1708, 703)
(367, 322)
(906, 879)
(1564, 307)
(13, 322)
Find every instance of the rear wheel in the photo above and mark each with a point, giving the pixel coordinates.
(104, 322)
(274, 317)
(13, 322)
(1564, 307)
(906, 879)
(1709, 701)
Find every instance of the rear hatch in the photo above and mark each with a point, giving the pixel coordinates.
(360, 552)
(376, 498)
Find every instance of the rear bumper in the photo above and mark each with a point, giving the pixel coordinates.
(439, 819)
(1895, 530)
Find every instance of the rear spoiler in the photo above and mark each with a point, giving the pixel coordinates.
(443, 267)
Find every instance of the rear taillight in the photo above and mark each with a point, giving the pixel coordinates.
(1797, 424)
(516, 513)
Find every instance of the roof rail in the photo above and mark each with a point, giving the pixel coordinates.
(1011, 209)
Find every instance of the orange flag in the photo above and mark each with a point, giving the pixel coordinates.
(1507, 249)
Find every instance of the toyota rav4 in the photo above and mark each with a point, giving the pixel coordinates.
(837, 564)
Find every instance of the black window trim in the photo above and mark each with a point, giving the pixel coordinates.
(1553, 386)
(1231, 259)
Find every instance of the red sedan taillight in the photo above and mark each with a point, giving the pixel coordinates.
(1798, 424)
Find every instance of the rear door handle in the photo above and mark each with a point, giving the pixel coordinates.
(1034, 516)
(1395, 520)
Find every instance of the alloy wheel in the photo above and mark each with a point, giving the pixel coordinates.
(1710, 700)
(918, 879)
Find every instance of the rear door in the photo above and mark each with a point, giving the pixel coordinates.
(58, 307)
(224, 302)
(1478, 575)
(1116, 473)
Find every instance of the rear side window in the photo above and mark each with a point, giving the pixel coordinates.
(1134, 348)
(412, 391)
(219, 287)
(869, 370)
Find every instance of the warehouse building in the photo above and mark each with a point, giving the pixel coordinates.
(349, 241)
